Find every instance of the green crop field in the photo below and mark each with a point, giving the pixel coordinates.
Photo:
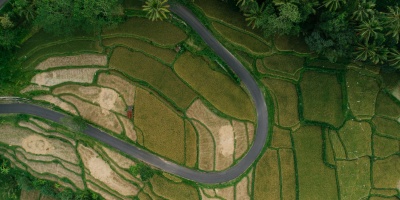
(153, 117)
(334, 128)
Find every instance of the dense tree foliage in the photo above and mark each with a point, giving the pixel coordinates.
(143, 170)
(74, 124)
(156, 9)
(365, 30)
(13, 180)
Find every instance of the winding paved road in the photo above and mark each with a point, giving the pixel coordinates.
(154, 160)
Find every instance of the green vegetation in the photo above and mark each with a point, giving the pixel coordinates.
(288, 175)
(387, 127)
(170, 190)
(143, 170)
(362, 91)
(315, 179)
(153, 31)
(286, 99)
(284, 63)
(354, 178)
(226, 97)
(356, 137)
(167, 55)
(320, 103)
(74, 124)
(163, 129)
(384, 147)
(385, 106)
(190, 144)
(156, 9)
(267, 182)
(246, 40)
(386, 172)
(154, 73)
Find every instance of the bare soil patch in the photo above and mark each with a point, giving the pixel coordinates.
(38, 129)
(102, 171)
(78, 60)
(250, 132)
(37, 144)
(239, 129)
(31, 88)
(241, 189)
(103, 193)
(221, 130)
(52, 168)
(225, 147)
(206, 148)
(122, 86)
(104, 97)
(119, 159)
(226, 193)
(130, 131)
(96, 114)
(58, 102)
(41, 123)
(55, 77)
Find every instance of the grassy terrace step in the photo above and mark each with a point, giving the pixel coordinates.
(166, 55)
(217, 88)
(315, 179)
(154, 31)
(163, 130)
(141, 67)
(245, 40)
(322, 102)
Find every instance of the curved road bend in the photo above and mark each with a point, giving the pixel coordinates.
(170, 167)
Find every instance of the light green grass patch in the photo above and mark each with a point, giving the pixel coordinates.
(42, 38)
(325, 64)
(281, 138)
(329, 156)
(337, 146)
(72, 47)
(384, 147)
(386, 173)
(170, 190)
(267, 181)
(354, 178)
(356, 137)
(161, 32)
(288, 174)
(167, 55)
(139, 66)
(362, 91)
(291, 43)
(322, 98)
(387, 127)
(191, 144)
(386, 106)
(242, 39)
(217, 88)
(287, 100)
(228, 12)
(284, 63)
(163, 129)
(315, 179)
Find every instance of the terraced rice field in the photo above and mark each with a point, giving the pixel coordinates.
(334, 127)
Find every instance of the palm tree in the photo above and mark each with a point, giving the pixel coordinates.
(365, 10)
(243, 2)
(364, 51)
(333, 5)
(392, 21)
(394, 58)
(156, 9)
(25, 8)
(380, 56)
(254, 14)
(369, 28)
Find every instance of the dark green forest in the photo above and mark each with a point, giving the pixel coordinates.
(363, 30)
